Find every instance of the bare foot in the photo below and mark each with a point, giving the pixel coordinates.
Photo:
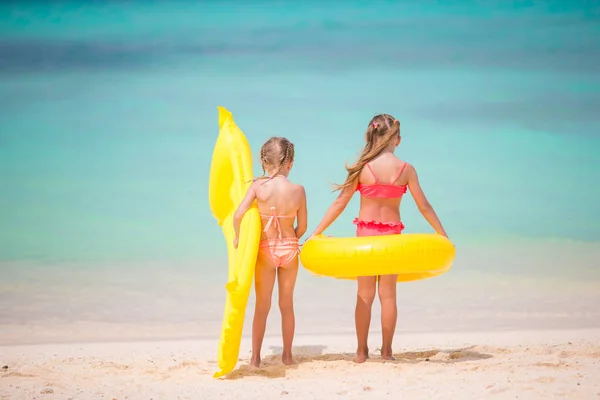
(255, 361)
(361, 357)
(388, 357)
(287, 359)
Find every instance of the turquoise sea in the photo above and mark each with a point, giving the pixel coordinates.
(108, 119)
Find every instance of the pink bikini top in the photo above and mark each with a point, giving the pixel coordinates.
(382, 190)
(273, 220)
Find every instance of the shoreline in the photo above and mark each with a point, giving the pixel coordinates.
(58, 308)
(592, 331)
(494, 337)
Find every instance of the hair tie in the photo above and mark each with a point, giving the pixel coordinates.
(375, 124)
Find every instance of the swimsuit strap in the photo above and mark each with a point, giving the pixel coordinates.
(273, 221)
(394, 180)
(372, 173)
(399, 173)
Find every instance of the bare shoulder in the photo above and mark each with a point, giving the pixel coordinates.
(299, 189)
(403, 164)
(409, 167)
(257, 182)
(410, 171)
(407, 170)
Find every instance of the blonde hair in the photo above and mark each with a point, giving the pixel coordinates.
(382, 129)
(276, 153)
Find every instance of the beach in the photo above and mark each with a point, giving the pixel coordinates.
(497, 365)
(113, 270)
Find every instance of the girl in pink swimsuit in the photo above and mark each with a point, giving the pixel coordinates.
(382, 179)
(279, 202)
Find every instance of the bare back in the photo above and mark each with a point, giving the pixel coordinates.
(385, 169)
(280, 197)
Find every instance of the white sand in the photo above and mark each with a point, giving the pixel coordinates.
(502, 365)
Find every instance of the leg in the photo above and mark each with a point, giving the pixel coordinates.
(286, 276)
(389, 313)
(264, 281)
(362, 315)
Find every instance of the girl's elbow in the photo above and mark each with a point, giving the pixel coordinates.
(237, 217)
(300, 231)
(340, 207)
(425, 207)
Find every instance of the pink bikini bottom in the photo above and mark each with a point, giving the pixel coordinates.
(375, 228)
(281, 251)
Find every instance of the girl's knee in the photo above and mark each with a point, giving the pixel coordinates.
(366, 289)
(387, 292)
(263, 304)
(286, 307)
(286, 303)
(366, 296)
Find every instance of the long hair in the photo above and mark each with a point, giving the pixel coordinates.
(382, 129)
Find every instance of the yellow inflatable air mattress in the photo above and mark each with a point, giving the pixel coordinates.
(230, 176)
(411, 256)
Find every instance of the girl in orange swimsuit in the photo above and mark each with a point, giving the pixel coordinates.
(381, 185)
(279, 202)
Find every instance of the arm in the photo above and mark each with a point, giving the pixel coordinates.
(425, 207)
(239, 213)
(336, 208)
(301, 223)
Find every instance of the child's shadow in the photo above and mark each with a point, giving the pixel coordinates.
(273, 367)
(448, 356)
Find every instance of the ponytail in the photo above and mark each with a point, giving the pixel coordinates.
(381, 131)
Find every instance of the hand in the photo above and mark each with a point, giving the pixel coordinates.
(314, 235)
(235, 243)
(311, 236)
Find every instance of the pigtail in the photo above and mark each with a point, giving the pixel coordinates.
(284, 160)
(263, 161)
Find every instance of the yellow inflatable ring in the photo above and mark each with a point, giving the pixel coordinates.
(411, 256)
(230, 176)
